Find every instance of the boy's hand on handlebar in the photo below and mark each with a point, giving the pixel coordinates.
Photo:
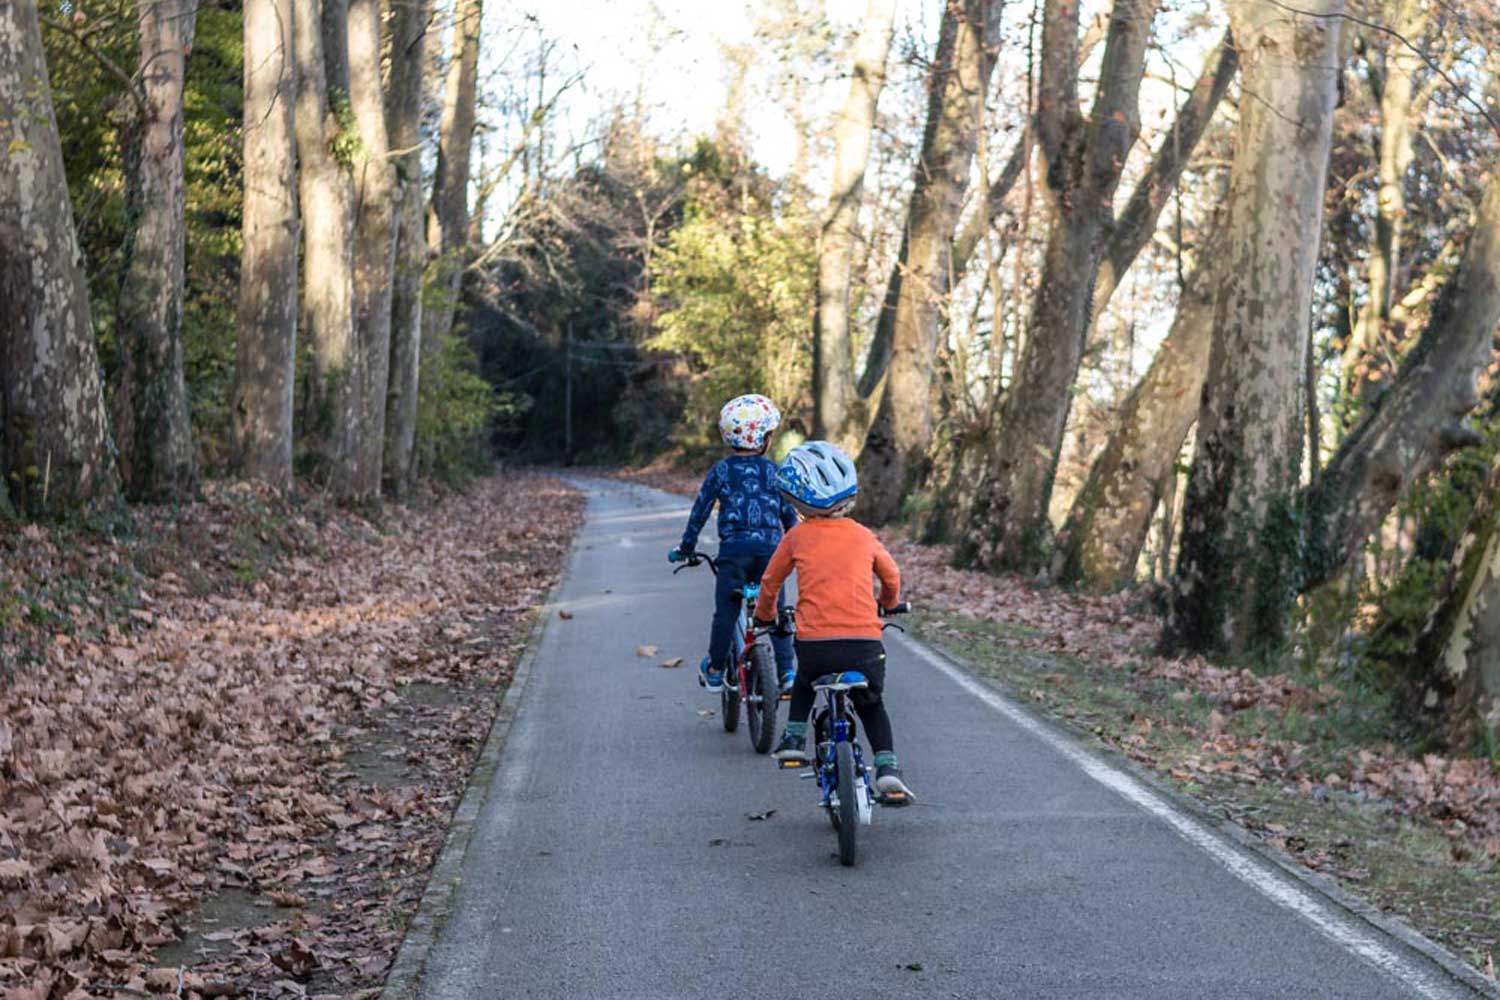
(677, 555)
(896, 609)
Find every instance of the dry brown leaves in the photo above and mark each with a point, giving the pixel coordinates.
(151, 758)
(1461, 793)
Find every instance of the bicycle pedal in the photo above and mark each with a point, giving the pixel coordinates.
(786, 696)
(894, 799)
(792, 765)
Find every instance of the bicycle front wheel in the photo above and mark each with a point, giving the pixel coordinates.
(762, 699)
(848, 804)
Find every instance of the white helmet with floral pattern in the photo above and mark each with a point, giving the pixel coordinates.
(746, 421)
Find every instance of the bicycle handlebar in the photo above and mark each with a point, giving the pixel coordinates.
(896, 609)
(692, 559)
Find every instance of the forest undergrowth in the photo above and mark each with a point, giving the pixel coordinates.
(1315, 766)
(247, 721)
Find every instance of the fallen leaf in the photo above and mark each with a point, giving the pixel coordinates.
(675, 661)
(767, 814)
(646, 651)
(565, 614)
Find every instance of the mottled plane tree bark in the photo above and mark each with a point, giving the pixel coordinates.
(55, 450)
(834, 397)
(326, 195)
(1240, 536)
(265, 352)
(152, 427)
(894, 457)
(1083, 157)
(408, 68)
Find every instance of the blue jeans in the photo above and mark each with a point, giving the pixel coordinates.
(734, 572)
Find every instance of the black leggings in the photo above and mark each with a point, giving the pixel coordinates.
(830, 656)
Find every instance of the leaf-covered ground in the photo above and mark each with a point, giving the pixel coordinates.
(252, 718)
(1310, 766)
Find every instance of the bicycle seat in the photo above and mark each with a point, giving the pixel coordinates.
(848, 680)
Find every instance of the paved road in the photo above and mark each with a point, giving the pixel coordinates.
(615, 857)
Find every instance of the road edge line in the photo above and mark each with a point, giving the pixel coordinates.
(404, 978)
(1222, 838)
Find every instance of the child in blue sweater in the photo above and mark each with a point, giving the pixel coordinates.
(752, 517)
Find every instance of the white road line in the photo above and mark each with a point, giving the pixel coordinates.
(1275, 886)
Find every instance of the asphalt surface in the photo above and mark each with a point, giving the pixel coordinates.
(615, 857)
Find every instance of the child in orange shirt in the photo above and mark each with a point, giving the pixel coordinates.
(838, 624)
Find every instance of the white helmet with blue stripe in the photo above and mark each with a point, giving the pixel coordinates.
(819, 479)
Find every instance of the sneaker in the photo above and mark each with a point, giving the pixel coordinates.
(790, 748)
(888, 781)
(710, 678)
(787, 680)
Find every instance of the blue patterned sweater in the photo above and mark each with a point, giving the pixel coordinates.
(752, 512)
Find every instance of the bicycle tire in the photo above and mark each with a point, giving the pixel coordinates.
(848, 805)
(729, 705)
(765, 696)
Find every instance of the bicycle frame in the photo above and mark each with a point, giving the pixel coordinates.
(747, 638)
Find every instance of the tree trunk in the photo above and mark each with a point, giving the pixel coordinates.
(55, 450)
(375, 232)
(1008, 527)
(1363, 356)
(448, 211)
(265, 354)
(894, 458)
(1107, 526)
(833, 376)
(326, 193)
(1454, 670)
(878, 355)
(152, 427)
(1239, 526)
(404, 120)
(1137, 222)
(1419, 420)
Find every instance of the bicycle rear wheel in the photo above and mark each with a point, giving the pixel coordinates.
(729, 702)
(848, 805)
(762, 698)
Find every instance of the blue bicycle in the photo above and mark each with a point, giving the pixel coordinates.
(752, 680)
(844, 784)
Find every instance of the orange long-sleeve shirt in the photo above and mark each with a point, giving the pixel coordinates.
(834, 559)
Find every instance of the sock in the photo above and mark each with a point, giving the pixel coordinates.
(796, 730)
(885, 758)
